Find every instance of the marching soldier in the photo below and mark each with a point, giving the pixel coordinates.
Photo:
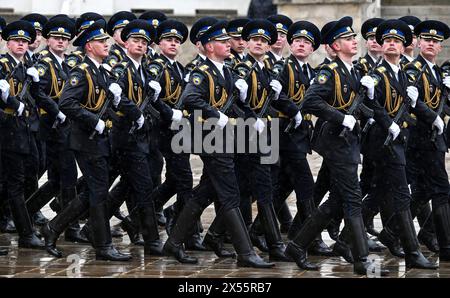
(36, 168)
(263, 86)
(115, 26)
(329, 98)
(53, 127)
(170, 35)
(391, 96)
(238, 44)
(132, 149)
(208, 88)
(82, 101)
(426, 144)
(368, 62)
(408, 55)
(20, 112)
(295, 174)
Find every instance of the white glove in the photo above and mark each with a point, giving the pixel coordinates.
(186, 77)
(394, 130)
(223, 120)
(371, 121)
(276, 86)
(413, 94)
(298, 119)
(33, 72)
(259, 126)
(349, 122)
(446, 81)
(155, 86)
(20, 109)
(367, 81)
(140, 122)
(242, 86)
(117, 92)
(4, 87)
(61, 117)
(177, 115)
(439, 125)
(100, 127)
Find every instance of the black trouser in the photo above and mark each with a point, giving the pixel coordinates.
(297, 176)
(259, 177)
(62, 167)
(366, 176)
(32, 164)
(345, 192)
(95, 169)
(391, 184)
(219, 182)
(246, 200)
(178, 181)
(136, 173)
(430, 181)
(322, 185)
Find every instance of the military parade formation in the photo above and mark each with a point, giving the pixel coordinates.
(113, 111)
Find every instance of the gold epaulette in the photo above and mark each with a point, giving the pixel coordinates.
(43, 53)
(77, 52)
(159, 60)
(266, 57)
(232, 56)
(362, 60)
(47, 59)
(117, 52)
(332, 65)
(417, 65)
(203, 67)
(83, 66)
(4, 60)
(381, 69)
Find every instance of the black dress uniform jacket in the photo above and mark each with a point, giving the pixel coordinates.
(329, 98)
(389, 95)
(17, 130)
(430, 91)
(295, 84)
(82, 99)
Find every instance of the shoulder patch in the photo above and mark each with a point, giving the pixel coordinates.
(197, 79)
(323, 76)
(74, 80)
(42, 69)
(376, 79)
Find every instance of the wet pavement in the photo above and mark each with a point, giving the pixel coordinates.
(79, 259)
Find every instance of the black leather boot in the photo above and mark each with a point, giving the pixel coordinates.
(368, 216)
(284, 217)
(214, 237)
(318, 247)
(27, 236)
(246, 255)
(272, 233)
(295, 226)
(182, 228)
(101, 234)
(160, 217)
(441, 216)
(427, 234)
(132, 230)
(333, 228)
(257, 235)
(297, 248)
(388, 236)
(41, 197)
(150, 233)
(60, 222)
(72, 232)
(413, 256)
(342, 246)
(360, 249)
(169, 214)
(195, 241)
